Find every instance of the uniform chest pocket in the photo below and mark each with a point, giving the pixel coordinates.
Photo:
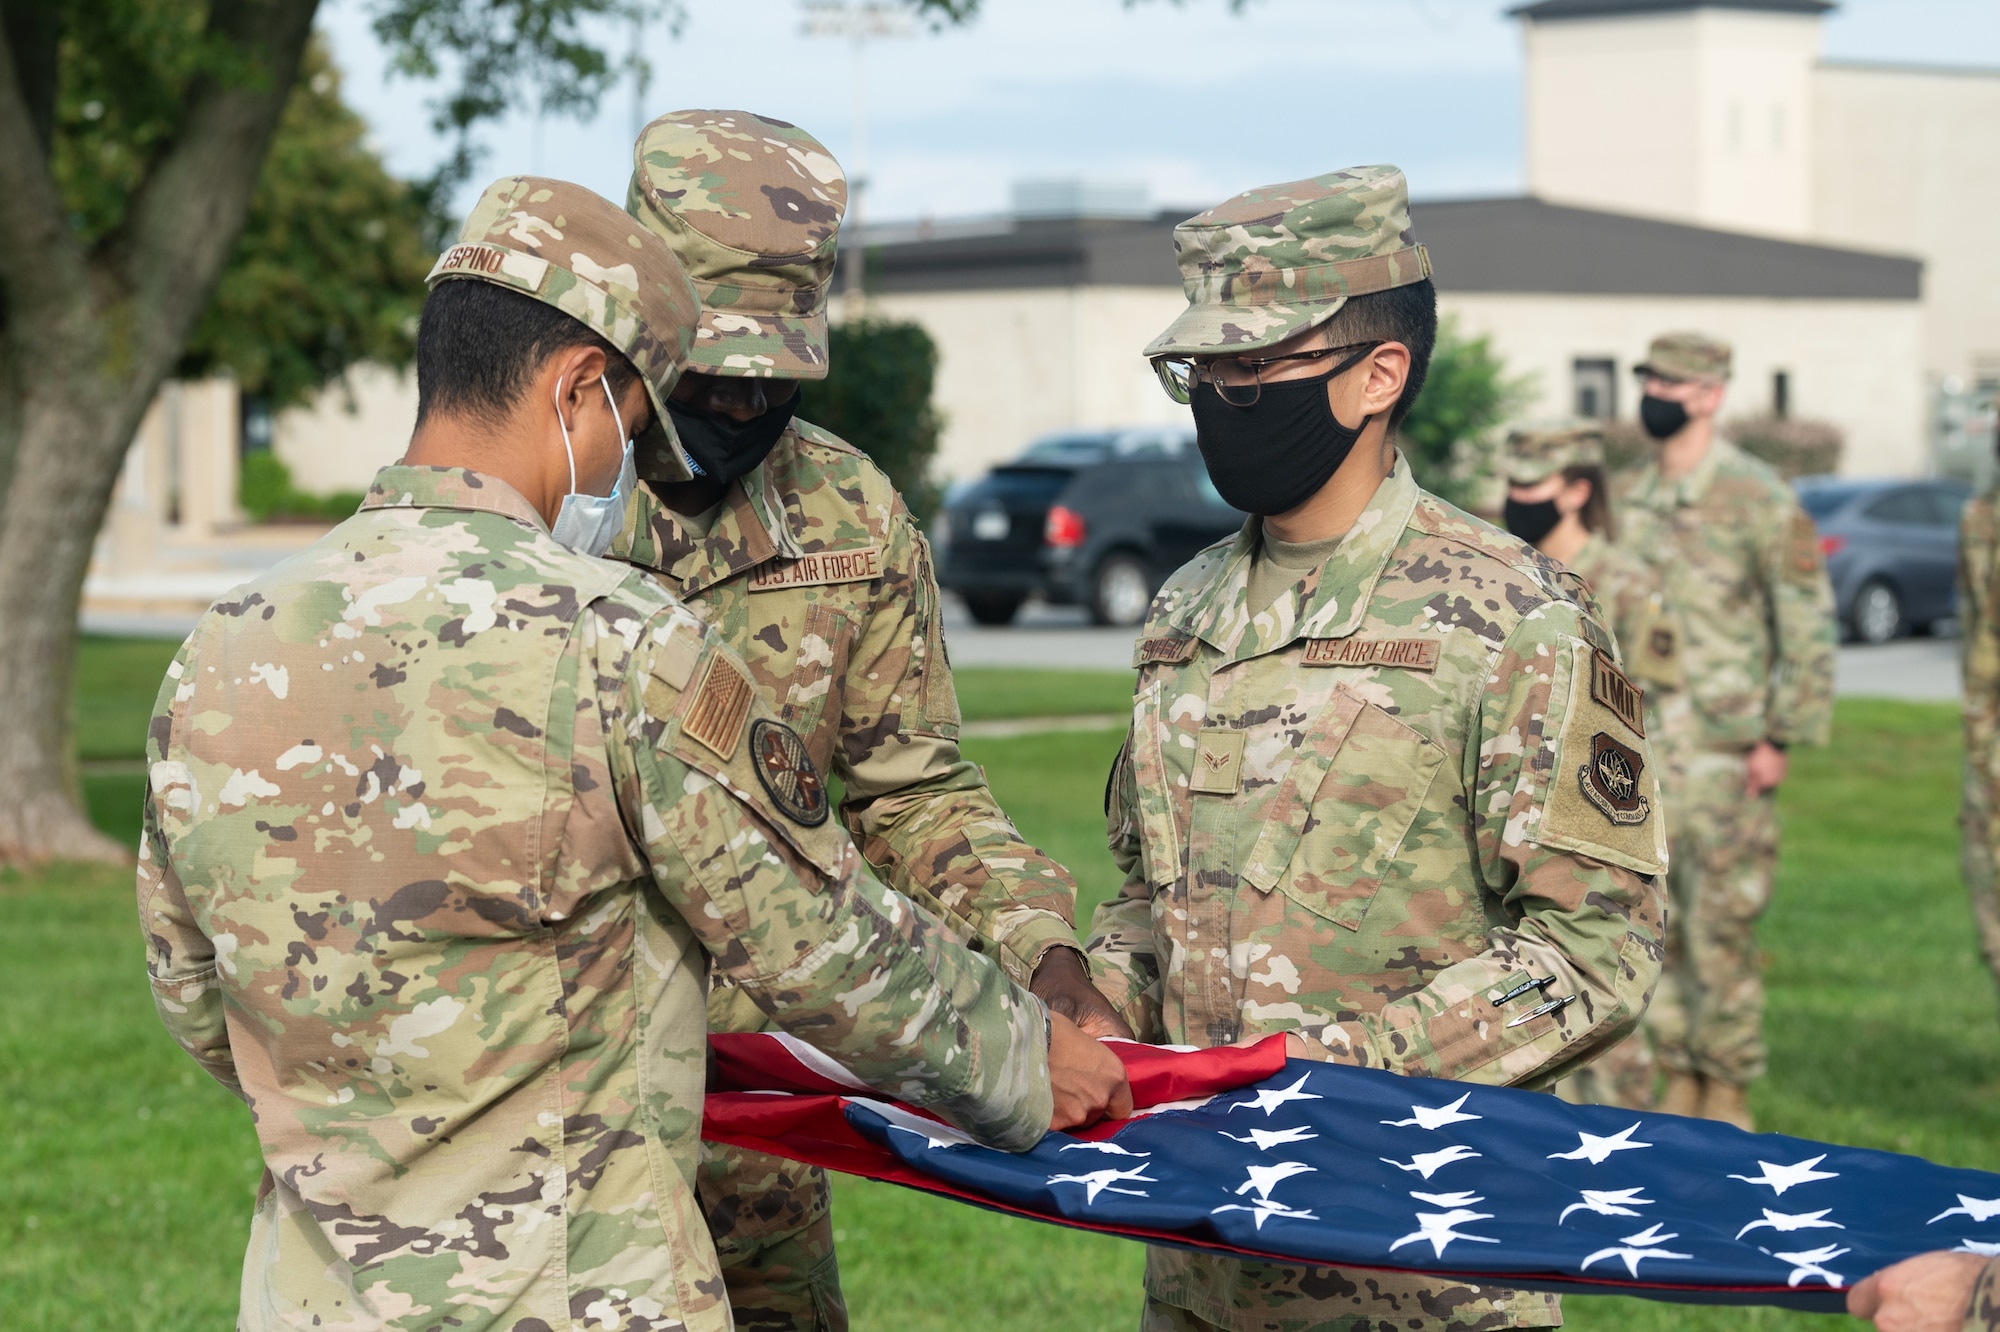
(1336, 826)
(817, 672)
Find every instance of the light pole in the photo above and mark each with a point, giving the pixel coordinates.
(859, 21)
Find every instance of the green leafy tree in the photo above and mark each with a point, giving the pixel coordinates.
(877, 397)
(329, 271)
(133, 136)
(1450, 432)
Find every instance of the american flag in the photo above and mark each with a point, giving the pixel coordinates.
(1242, 1151)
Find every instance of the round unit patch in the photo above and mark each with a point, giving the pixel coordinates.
(787, 772)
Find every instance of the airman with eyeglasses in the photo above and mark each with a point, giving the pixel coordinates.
(1354, 806)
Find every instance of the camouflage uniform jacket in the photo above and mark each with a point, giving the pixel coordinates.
(1741, 564)
(1373, 811)
(815, 573)
(1434, 689)
(446, 825)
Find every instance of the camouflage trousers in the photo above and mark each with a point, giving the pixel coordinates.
(772, 1222)
(1707, 1016)
(1188, 1291)
(1624, 1076)
(1978, 862)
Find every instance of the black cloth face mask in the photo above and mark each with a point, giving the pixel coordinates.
(1532, 520)
(1661, 417)
(1274, 455)
(723, 448)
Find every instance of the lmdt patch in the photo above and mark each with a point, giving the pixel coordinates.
(1610, 781)
(787, 772)
(1410, 654)
(1609, 686)
(718, 707)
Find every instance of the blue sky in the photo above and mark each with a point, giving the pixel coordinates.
(1193, 101)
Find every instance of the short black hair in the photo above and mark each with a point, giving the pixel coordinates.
(1408, 315)
(480, 344)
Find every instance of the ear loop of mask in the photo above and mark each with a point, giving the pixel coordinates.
(564, 427)
(617, 418)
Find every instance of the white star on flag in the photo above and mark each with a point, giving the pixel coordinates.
(1636, 1249)
(1429, 1163)
(1607, 1202)
(1440, 1229)
(1272, 1097)
(1595, 1149)
(1423, 1117)
(1262, 1209)
(1266, 1139)
(1265, 1178)
(1782, 1177)
(1980, 1210)
(1097, 1181)
(1784, 1222)
(1109, 1148)
(1447, 1199)
(1808, 1264)
(1980, 1247)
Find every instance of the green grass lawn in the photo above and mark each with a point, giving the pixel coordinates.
(126, 1179)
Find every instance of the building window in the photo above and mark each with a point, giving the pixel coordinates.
(1781, 393)
(1596, 381)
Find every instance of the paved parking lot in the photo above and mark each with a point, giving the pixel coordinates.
(1923, 669)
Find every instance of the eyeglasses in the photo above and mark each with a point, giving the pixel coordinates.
(1239, 380)
(722, 394)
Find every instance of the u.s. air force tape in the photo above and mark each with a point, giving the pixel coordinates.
(787, 772)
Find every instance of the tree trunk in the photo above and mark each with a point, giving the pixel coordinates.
(74, 434)
(89, 339)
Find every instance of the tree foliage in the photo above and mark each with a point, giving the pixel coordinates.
(1449, 435)
(329, 270)
(877, 397)
(133, 140)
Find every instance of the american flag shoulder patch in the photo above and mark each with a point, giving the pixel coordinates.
(719, 707)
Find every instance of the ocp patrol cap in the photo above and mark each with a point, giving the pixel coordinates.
(568, 247)
(1538, 451)
(752, 206)
(1686, 356)
(1280, 259)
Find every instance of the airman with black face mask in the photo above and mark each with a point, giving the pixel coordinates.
(1386, 789)
(800, 553)
(1740, 563)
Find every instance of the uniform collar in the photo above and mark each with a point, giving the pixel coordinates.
(1336, 597)
(753, 527)
(405, 487)
(1656, 492)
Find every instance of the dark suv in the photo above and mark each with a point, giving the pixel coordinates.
(1096, 518)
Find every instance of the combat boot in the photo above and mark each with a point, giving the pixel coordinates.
(1727, 1103)
(1683, 1095)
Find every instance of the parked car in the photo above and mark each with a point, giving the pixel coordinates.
(1092, 518)
(1891, 549)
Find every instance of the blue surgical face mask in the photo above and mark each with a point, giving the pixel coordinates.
(589, 523)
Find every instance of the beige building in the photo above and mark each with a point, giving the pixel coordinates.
(1724, 114)
(1040, 324)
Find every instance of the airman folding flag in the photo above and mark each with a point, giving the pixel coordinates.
(1241, 1151)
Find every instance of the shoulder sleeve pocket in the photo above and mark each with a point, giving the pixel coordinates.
(1603, 796)
(718, 726)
